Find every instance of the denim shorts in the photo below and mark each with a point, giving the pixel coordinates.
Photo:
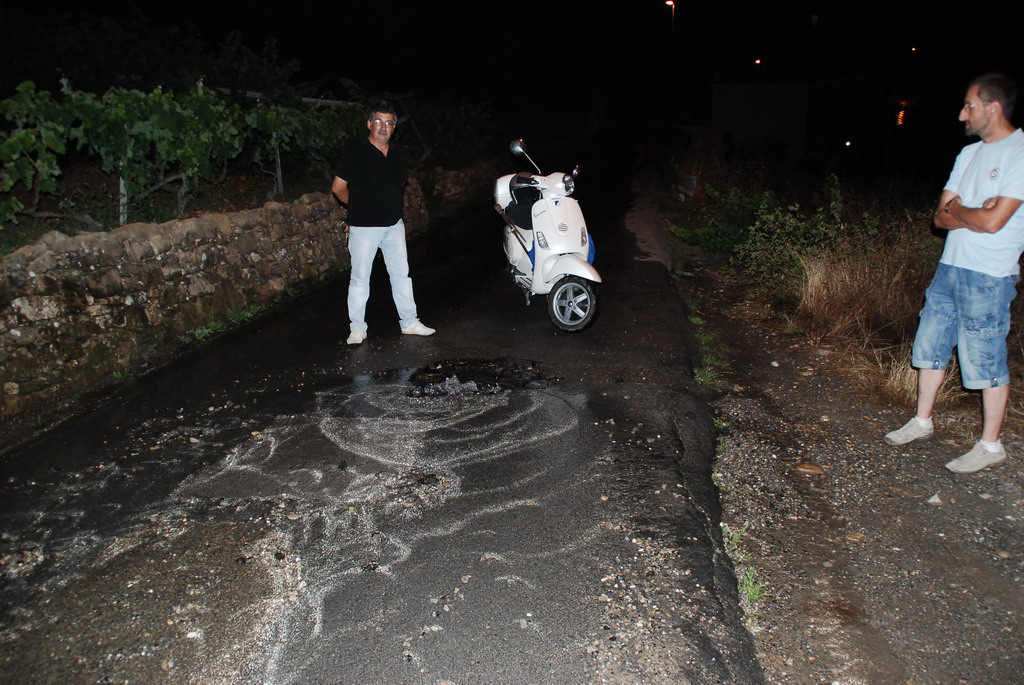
(969, 310)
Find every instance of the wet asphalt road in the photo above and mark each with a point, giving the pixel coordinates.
(467, 508)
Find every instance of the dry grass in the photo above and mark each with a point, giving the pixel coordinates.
(859, 296)
(885, 371)
(867, 304)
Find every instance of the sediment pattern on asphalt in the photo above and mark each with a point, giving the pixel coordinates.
(419, 517)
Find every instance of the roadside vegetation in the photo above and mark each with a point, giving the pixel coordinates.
(193, 128)
(751, 590)
(80, 161)
(841, 263)
(714, 364)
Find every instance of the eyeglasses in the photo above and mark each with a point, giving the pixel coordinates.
(969, 106)
(384, 122)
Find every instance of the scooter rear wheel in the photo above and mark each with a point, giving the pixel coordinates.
(572, 304)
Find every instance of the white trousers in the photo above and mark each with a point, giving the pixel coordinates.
(363, 243)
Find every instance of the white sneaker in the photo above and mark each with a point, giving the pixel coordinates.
(356, 336)
(418, 328)
(977, 459)
(911, 431)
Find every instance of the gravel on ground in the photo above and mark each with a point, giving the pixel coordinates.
(858, 562)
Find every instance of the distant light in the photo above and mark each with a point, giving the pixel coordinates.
(913, 49)
(848, 143)
(757, 61)
(901, 117)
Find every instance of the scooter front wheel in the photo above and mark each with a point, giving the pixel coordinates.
(572, 304)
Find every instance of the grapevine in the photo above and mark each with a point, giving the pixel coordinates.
(151, 141)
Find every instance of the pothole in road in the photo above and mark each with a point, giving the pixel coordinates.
(476, 376)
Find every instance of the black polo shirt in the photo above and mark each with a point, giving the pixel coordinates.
(376, 183)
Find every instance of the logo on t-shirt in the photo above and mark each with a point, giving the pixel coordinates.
(994, 174)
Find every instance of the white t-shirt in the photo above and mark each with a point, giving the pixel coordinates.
(983, 171)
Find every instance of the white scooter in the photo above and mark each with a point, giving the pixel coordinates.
(547, 244)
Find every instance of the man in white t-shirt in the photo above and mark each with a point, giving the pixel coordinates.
(967, 304)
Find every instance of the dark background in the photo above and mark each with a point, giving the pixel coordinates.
(628, 61)
(486, 48)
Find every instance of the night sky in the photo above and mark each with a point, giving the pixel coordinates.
(489, 46)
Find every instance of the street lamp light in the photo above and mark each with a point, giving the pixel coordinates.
(672, 54)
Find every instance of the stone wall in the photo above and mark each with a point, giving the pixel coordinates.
(79, 313)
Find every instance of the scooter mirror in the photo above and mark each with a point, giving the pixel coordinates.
(518, 147)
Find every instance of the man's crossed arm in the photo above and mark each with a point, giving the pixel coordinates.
(993, 214)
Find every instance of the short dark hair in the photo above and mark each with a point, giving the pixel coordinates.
(383, 107)
(995, 87)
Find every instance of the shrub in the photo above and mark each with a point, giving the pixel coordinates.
(722, 221)
(780, 236)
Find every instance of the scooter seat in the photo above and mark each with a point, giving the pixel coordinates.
(524, 193)
(521, 214)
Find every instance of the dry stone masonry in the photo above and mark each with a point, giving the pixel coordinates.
(77, 311)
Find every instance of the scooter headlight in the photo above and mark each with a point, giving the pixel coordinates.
(542, 241)
(583, 237)
(568, 184)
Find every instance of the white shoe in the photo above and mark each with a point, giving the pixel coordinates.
(911, 431)
(977, 459)
(356, 336)
(418, 328)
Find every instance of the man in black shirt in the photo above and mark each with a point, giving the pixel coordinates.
(370, 179)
